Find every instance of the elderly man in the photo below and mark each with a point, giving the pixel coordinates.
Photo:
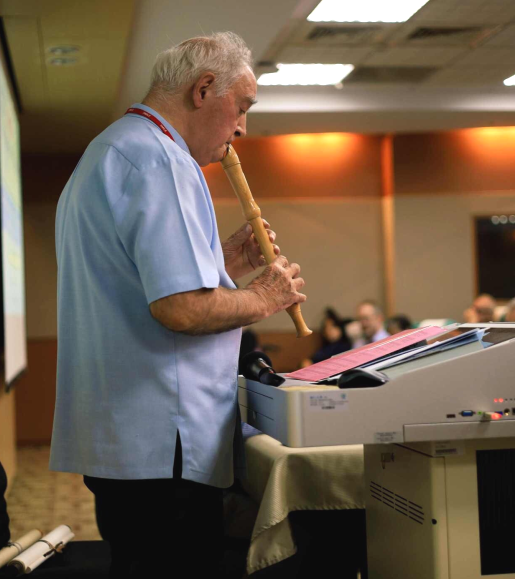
(371, 318)
(481, 311)
(150, 319)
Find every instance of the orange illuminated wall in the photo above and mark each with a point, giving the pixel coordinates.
(311, 165)
(466, 161)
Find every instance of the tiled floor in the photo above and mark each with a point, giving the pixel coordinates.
(42, 499)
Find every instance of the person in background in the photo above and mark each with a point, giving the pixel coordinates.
(371, 318)
(334, 338)
(510, 311)
(481, 311)
(397, 324)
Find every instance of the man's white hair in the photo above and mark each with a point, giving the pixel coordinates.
(225, 54)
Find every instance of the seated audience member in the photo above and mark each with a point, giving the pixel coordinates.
(398, 323)
(334, 338)
(481, 311)
(510, 311)
(371, 318)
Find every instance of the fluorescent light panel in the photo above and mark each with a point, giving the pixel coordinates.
(365, 10)
(306, 74)
(510, 81)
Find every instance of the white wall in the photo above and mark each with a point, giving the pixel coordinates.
(40, 269)
(434, 250)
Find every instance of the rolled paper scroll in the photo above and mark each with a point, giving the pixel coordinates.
(16, 547)
(42, 550)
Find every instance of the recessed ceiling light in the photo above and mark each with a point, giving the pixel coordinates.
(510, 81)
(365, 10)
(306, 74)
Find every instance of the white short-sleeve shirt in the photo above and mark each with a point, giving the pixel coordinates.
(136, 223)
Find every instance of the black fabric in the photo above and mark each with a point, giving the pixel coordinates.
(156, 527)
(329, 544)
(5, 534)
(249, 343)
(79, 560)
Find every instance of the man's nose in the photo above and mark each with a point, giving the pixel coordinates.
(241, 129)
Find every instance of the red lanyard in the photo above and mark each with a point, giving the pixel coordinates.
(142, 113)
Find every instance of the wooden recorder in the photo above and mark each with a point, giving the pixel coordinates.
(252, 213)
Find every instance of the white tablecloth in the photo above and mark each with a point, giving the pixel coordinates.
(286, 479)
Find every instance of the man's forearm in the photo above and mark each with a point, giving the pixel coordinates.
(210, 311)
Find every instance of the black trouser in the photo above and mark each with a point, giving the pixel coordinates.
(160, 527)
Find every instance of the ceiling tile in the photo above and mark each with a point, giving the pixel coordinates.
(504, 38)
(469, 77)
(341, 34)
(414, 56)
(325, 55)
(466, 12)
(486, 57)
(410, 34)
(66, 84)
(94, 19)
(28, 61)
(75, 91)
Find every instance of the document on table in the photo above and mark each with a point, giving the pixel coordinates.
(433, 348)
(366, 354)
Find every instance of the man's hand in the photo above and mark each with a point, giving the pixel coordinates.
(279, 285)
(241, 251)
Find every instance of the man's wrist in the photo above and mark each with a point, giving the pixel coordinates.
(260, 298)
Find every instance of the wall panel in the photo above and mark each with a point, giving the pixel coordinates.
(312, 166)
(469, 161)
(434, 249)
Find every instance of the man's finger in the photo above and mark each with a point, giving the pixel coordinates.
(241, 235)
(302, 298)
(245, 230)
(281, 260)
(299, 283)
(294, 269)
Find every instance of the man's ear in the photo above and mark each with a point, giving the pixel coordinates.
(203, 89)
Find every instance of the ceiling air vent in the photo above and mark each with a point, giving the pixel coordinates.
(389, 74)
(439, 36)
(345, 34)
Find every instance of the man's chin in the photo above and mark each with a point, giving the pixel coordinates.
(219, 154)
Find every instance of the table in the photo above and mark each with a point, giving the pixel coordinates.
(284, 480)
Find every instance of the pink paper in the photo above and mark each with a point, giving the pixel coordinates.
(368, 353)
